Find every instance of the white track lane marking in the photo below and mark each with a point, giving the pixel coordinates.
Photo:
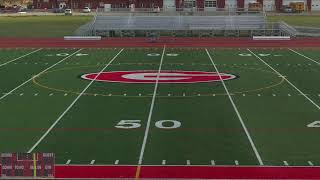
(145, 138)
(20, 57)
(253, 146)
(316, 105)
(2, 97)
(304, 56)
(71, 105)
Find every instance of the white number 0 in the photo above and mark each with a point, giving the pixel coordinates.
(175, 124)
(131, 124)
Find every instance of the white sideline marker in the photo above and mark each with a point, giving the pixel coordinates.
(19, 57)
(285, 163)
(163, 162)
(304, 56)
(253, 146)
(116, 162)
(71, 105)
(310, 163)
(68, 162)
(92, 161)
(2, 97)
(188, 162)
(236, 162)
(310, 100)
(213, 163)
(145, 138)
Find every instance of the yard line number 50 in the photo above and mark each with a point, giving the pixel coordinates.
(162, 124)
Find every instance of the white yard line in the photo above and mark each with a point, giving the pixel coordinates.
(6, 94)
(253, 146)
(20, 57)
(71, 105)
(145, 138)
(284, 77)
(304, 56)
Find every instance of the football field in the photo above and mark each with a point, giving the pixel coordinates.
(162, 106)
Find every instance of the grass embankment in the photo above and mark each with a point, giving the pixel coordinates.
(41, 26)
(297, 20)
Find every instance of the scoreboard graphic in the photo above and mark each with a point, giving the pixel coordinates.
(36, 165)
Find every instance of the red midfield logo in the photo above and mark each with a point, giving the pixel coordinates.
(150, 76)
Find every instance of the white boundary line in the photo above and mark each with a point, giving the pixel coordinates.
(71, 105)
(145, 138)
(304, 56)
(3, 64)
(237, 112)
(284, 77)
(6, 94)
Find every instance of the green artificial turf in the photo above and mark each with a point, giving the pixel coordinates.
(274, 113)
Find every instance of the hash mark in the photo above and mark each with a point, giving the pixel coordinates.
(213, 163)
(92, 161)
(236, 162)
(163, 162)
(310, 163)
(188, 162)
(68, 162)
(116, 162)
(285, 163)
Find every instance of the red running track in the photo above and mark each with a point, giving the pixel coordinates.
(169, 42)
(186, 172)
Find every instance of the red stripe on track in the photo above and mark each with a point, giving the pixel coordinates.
(187, 172)
(168, 41)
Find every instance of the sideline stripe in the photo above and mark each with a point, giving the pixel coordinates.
(253, 146)
(2, 97)
(316, 105)
(20, 57)
(145, 138)
(71, 105)
(304, 56)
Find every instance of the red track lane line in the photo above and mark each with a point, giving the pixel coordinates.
(187, 172)
(143, 42)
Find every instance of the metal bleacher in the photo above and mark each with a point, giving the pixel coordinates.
(221, 23)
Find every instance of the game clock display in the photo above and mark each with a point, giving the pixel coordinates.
(27, 165)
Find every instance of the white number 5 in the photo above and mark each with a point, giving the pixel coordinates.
(128, 124)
